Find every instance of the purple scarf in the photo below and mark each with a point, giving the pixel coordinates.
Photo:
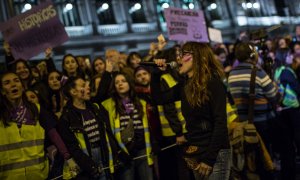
(128, 105)
(21, 115)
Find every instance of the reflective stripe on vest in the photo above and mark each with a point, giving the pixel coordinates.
(80, 138)
(109, 105)
(110, 156)
(165, 126)
(290, 98)
(22, 164)
(24, 144)
(82, 144)
(22, 152)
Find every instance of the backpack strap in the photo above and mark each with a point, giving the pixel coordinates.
(252, 95)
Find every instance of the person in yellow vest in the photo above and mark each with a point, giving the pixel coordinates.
(172, 123)
(23, 126)
(142, 81)
(173, 131)
(83, 128)
(129, 123)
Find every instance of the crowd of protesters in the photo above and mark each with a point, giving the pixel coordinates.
(114, 118)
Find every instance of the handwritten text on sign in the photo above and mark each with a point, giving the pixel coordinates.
(186, 25)
(37, 18)
(35, 30)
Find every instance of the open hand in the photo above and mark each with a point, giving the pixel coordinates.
(108, 65)
(203, 169)
(153, 48)
(161, 45)
(180, 140)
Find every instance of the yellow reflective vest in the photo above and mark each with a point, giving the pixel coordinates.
(81, 141)
(165, 126)
(114, 120)
(22, 152)
(231, 113)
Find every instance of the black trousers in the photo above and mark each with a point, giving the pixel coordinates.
(264, 129)
(290, 124)
(170, 162)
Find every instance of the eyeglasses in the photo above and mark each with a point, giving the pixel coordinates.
(184, 53)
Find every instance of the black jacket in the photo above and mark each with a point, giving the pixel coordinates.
(71, 122)
(206, 124)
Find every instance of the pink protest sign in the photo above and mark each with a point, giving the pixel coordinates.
(186, 25)
(32, 32)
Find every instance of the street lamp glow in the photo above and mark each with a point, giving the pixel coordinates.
(165, 5)
(256, 5)
(185, 6)
(213, 6)
(191, 6)
(137, 6)
(244, 5)
(69, 6)
(249, 5)
(105, 6)
(27, 6)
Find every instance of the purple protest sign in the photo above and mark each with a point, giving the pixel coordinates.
(186, 25)
(32, 32)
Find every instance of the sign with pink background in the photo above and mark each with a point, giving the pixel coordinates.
(186, 25)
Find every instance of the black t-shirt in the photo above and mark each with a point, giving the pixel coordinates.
(90, 126)
(139, 139)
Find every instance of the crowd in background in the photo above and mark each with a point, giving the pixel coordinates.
(113, 118)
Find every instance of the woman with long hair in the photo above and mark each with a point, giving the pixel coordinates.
(129, 123)
(23, 126)
(70, 66)
(23, 70)
(56, 98)
(133, 60)
(203, 105)
(98, 69)
(98, 66)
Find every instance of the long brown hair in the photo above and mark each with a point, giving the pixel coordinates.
(205, 66)
(120, 109)
(6, 106)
